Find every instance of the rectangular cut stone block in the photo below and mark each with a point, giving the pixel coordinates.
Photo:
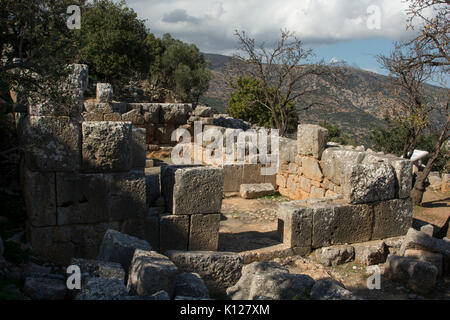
(60, 244)
(40, 198)
(287, 150)
(403, 172)
(311, 169)
(252, 173)
(51, 143)
(311, 140)
(128, 196)
(253, 191)
(152, 112)
(392, 218)
(82, 198)
(271, 179)
(192, 190)
(146, 229)
(341, 223)
(204, 232)
(173, 233)
(334, 160)
(175, 113)
(281, 181)
(106, 146)
(232, 177)
(153, 188)
(295, 224)
(139, 147)
(365, 183)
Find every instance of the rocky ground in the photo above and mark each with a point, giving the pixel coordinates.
(251, 224)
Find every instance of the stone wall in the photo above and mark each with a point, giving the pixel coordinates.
(346, 194)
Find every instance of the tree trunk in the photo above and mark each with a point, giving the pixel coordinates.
(419, 185)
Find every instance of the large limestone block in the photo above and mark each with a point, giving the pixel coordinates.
(139, 147)
(190, 285)
(287, 150)
(295, 224)
(370, 253)
(151, 272)
(102, 289)
(269, 281)
(102, 269)
(119, 247)
(128, 196)
(173, 232)
(219, 270)
(59, 244)
(365, 183)
(257, 190)
(340, 224)
(419, 276)
(419, 240)
(152, 112)
(51, 143)
(40, 198)
(336, 255)
(175, 113)
(334, 160)
(192, 190)
(232, 177)
(203, 111)
(204, 232)
(392, 218)
(403, 172)
(311, 169)
(311, 140)
(435, 259)
(104, 92)
(153, 188)
(134, 116)
(82, 198)
(107, 146)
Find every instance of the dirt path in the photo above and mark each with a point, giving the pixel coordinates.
(252, 224)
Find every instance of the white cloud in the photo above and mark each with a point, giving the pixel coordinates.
(210, 24)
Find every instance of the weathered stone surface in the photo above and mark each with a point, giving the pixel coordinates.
(340, 224)
(134, 116)
(311, 169)
(418, 275)
(281, 181)
(45, 287)
(334, 160)
(192, 190)
(204, 232)
(60, 244)
(174, 232)
(151, 272)
(370, 253)
(252, 173)
(102, 269)
(92, 116)
(146, 229)
(445, 186)
(102, 289)
(139, 147)
(104, 92)
(128, 196)
(51, 143)
(119, 247)
(99, 108)
(219, 270)
(203, 111)
(269, 280)
(232, 177)
(77, 81)
(311, 140)
(190, 285)
(40, 198)
(418, 240)
(428, 229)
(152, 112)
(287, 150)
(336, 255)
(112, 117)
(175, 113)
(435, 259)
(392, 218)
(163, 134)
(403, 172)
(106, 146)
(317, 193)
(253, 191)
(364, 183)
(153, 188)
(295, 224)
(327, 289)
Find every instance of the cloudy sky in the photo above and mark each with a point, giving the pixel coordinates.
(350, 30)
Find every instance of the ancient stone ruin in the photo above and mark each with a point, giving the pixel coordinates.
(91, 194)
